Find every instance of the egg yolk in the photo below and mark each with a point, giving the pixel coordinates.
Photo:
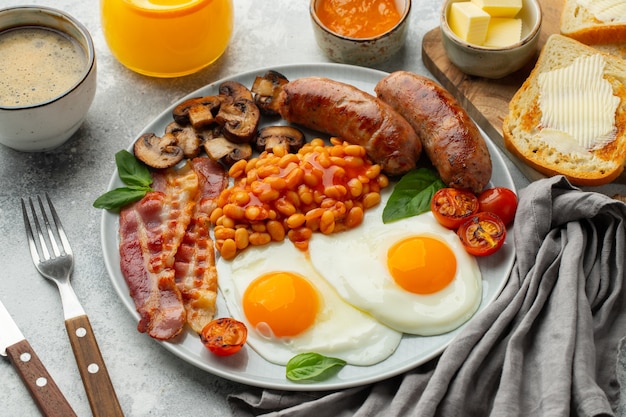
(284, 302)
(421, 264)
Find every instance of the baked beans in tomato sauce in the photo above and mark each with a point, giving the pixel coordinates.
(321, 188)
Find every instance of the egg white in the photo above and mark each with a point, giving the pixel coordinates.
(354, 262)
(340, 330)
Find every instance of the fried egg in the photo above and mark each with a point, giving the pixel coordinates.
(289, 309)
(412, 275)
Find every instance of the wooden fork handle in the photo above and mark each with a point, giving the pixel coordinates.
(40, 384)
(93, 371)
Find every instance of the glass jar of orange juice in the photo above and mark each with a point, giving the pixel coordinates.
(167, 38)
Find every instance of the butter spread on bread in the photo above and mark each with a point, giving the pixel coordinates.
(579, 102)
(594, 21)
(547, 142)
(606, 10)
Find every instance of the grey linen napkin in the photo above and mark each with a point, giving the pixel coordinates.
(546, 347)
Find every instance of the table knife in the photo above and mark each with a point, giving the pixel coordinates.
(43, 389)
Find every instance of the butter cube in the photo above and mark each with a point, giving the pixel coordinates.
(503, 31)
(469, 22)
(500, 8)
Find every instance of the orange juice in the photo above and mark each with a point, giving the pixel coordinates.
(167, 38)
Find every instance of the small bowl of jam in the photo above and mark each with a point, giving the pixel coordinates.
(360, 33)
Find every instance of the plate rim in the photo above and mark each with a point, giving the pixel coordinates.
(224, 369)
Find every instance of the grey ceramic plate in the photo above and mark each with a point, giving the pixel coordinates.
(249, 368)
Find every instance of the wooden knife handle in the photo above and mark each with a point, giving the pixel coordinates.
(93, 371)
(43, 389)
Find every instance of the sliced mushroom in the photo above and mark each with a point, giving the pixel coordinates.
(239, 120)
(222, 150)
(199, 112)
(156, 152)
(287, 136)
(266, 90)
(187, 139)
(235, 90)
(212, 132)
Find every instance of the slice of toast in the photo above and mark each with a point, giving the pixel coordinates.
(524, 133)
(577, 22)
(618, 49)
(603, 26)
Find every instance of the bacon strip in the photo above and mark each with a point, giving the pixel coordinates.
(151, 232)
(196, 275)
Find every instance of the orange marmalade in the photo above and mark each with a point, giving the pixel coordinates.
(358, 18)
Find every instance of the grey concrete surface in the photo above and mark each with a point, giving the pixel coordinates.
(149, 380)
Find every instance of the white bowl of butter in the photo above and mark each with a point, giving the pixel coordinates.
(49, 77)
(490, 38)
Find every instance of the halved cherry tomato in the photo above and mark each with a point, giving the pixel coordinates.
(499, 200)
(482, 234)
(452, 206)
(224, 336)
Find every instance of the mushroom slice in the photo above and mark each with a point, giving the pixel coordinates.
(289, 137)
(234, 90)
(266, 90)
(222, 150)
(186, 138)
(199, 112)
(239, 120)
(156, 152)
(212, 132)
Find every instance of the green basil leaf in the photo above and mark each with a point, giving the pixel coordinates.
(313, 367)
(119, 197)
(412, 194)
(132, 171)
(135, 175)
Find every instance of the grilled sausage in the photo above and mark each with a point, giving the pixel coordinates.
(449, 137)
(359, 118)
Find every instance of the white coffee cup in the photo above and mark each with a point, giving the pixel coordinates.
(48, 122)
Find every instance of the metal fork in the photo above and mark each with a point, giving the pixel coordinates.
(53, 258)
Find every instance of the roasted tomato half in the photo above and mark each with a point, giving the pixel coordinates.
(224, 336)
(482, 234)
(451, 206)
(499, 200)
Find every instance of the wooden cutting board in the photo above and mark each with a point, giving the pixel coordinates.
(487, 100)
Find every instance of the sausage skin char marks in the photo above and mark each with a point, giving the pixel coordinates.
(450, 138)
(357, 117)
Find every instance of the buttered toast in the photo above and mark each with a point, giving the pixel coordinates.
(594, 22)
(569, 116)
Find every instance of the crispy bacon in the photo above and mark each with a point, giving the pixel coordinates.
(213, 179)
(151, 232)
(196, 275)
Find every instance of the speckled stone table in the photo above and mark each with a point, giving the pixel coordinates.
(150, 381)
